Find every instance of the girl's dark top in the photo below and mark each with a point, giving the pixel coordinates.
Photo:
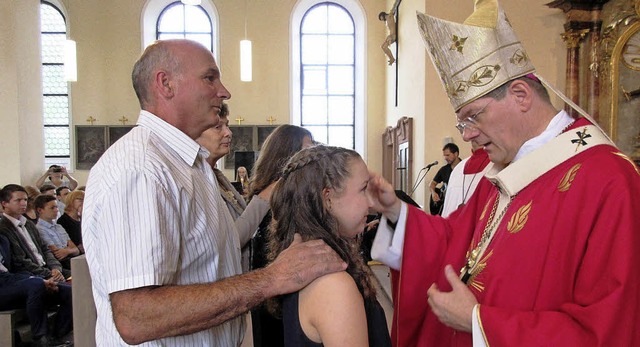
(266, 329)
(72, 227)
(294, 336)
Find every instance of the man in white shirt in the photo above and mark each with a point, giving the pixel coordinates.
(161, 246)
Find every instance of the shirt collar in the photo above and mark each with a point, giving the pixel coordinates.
(557, 150)
(180, 142)
(45, 223)
(555, 127)
(16, 222)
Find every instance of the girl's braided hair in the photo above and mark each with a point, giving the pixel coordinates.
(297, 206)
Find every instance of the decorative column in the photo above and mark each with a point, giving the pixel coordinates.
(593, 78)
(573, 38)
(583, 17)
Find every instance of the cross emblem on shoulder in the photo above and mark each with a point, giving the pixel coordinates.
(582, 135)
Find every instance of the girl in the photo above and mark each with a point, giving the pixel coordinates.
(322, 194)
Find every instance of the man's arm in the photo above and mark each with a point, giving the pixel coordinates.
(73, 184)
(437, 179)
(49, 258)
(62, 253)
(43, 178)
(151, 313)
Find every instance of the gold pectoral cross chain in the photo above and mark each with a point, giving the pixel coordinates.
(473, 255)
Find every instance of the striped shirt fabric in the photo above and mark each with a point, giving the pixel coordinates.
(153, 215)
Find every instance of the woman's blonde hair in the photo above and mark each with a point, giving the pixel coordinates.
(68, 200)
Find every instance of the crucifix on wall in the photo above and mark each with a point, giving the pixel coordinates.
(391, 21)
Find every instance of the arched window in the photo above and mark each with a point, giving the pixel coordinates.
(171, 19)
(55, 90)
(328, 85)
(180, 21)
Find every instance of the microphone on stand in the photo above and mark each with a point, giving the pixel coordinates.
(430, 165)
(419, 179)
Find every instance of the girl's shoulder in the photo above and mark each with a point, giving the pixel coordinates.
(332, 308)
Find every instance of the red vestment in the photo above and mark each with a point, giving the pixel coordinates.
(563, 264)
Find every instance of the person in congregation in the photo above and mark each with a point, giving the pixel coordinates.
(322, 194)
(22, 290)
(61, 195)
(30, 253)
(164, 263)
(451, 154)
(242, 177)
(32, 194)
(72, 216)
(57, 176)
(464, 179)
(285, 141)
(545, 251)
(48, 189)
(52, 233)
(217, 141)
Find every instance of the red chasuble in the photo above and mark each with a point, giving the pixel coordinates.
(561, 270)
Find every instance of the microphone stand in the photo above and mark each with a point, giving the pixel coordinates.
(415, 186)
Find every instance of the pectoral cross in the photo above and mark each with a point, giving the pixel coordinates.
(239, 120)
(123, 120)
(271, 120)
(91, 120)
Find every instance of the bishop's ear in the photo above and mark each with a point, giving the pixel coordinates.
(522, 94)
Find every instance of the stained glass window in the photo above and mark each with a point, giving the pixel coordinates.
(55, 90)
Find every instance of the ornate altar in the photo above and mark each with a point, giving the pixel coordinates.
(621, 47)
(603, 65)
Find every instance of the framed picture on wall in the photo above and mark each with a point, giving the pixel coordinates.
(118, 131)
(91, 142)
(242, 142)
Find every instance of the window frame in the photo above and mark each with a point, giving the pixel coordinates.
(356, 11)
(152, 10)
(64, 160)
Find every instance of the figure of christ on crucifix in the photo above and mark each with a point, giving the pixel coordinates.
(392, 27)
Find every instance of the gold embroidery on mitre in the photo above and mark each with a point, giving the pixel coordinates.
(459, 89)
(623, 156)
(479, 77)
(458, 43)
(473, 281)
(567, 179)
(519, 58)
(519, 219)
(484, 75)
(484, 211)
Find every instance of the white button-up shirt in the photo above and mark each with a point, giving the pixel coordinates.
(153, 216)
